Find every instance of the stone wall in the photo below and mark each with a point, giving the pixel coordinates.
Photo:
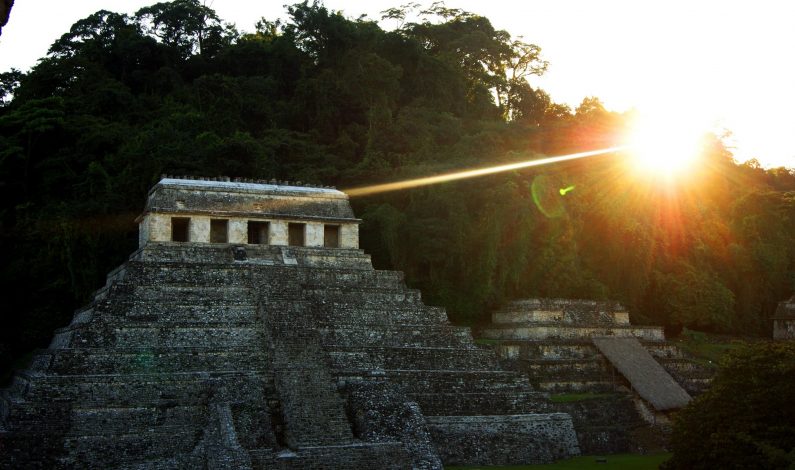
(544, 332)
(493, 440)
(156, 227)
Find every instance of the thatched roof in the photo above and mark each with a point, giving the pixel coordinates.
(652, 382)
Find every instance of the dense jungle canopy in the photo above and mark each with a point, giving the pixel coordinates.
(321, 98)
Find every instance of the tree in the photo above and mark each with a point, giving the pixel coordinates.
(9, 81)
(747, 417)
(187, 26)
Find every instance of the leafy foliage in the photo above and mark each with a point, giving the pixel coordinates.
(746, 419)
(323, 98)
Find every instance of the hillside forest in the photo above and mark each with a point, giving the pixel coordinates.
(322, 98)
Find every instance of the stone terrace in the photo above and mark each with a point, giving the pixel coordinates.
(262, 356)
(550, 340)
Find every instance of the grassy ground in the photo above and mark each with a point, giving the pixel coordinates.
(707, 349)
(487, 341)
(618, 461)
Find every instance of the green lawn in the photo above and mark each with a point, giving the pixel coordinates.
(487, 341)
(705, 348)
(618, 461)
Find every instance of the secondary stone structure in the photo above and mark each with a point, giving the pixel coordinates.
(627, 376)
(249, 331)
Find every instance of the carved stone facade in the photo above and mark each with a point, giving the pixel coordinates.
(247, 213)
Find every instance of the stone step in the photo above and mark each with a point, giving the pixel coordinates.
(313, 410)
(126, 420)
(178, 335)
(685, 367)
(545, 350)
(192, 294)
(188, 274)
(694, 386)
(452, 381)
(664, 350)
(178, 253)
(331, 258)
(350, 312)
(85, 361)
(388, 455)
(413, 358)
(347, 279)
(555, 331)
(145, 389)
(481, 403)
(503, 439)
(176, 311)
(255, 255)
(563, 367)
(372, 335)
(112, 450)
(584, 383)
(560, 317)
(230, 336)
(369, 298)
(191, 274)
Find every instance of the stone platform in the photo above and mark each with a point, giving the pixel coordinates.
(551, 341)
(259, 356)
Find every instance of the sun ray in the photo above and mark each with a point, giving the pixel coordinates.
(458, 175)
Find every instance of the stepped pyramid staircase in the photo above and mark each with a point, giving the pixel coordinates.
(219, 356)
(560, 343)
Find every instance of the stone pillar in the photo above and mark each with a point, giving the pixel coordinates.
(314, 234)
(158, 227)
(143, 231)
(621, 318)
(349, 236)
(278, 233)
(199, 229)
(238, 231)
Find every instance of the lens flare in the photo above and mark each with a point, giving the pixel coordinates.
(546, 196)
(566, 190)
(665, 145)
(459, 175)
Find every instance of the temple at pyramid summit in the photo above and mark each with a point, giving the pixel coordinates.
(249, 331)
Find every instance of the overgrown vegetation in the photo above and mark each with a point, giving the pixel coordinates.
(747, 417)
(708, 349)
(321, 98)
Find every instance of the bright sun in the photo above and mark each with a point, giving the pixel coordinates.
(664, 145)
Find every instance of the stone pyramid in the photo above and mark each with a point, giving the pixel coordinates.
(249, 331)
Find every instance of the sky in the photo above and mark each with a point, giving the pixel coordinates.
(721, 65)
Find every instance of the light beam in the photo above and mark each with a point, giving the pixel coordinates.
(459, 175)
